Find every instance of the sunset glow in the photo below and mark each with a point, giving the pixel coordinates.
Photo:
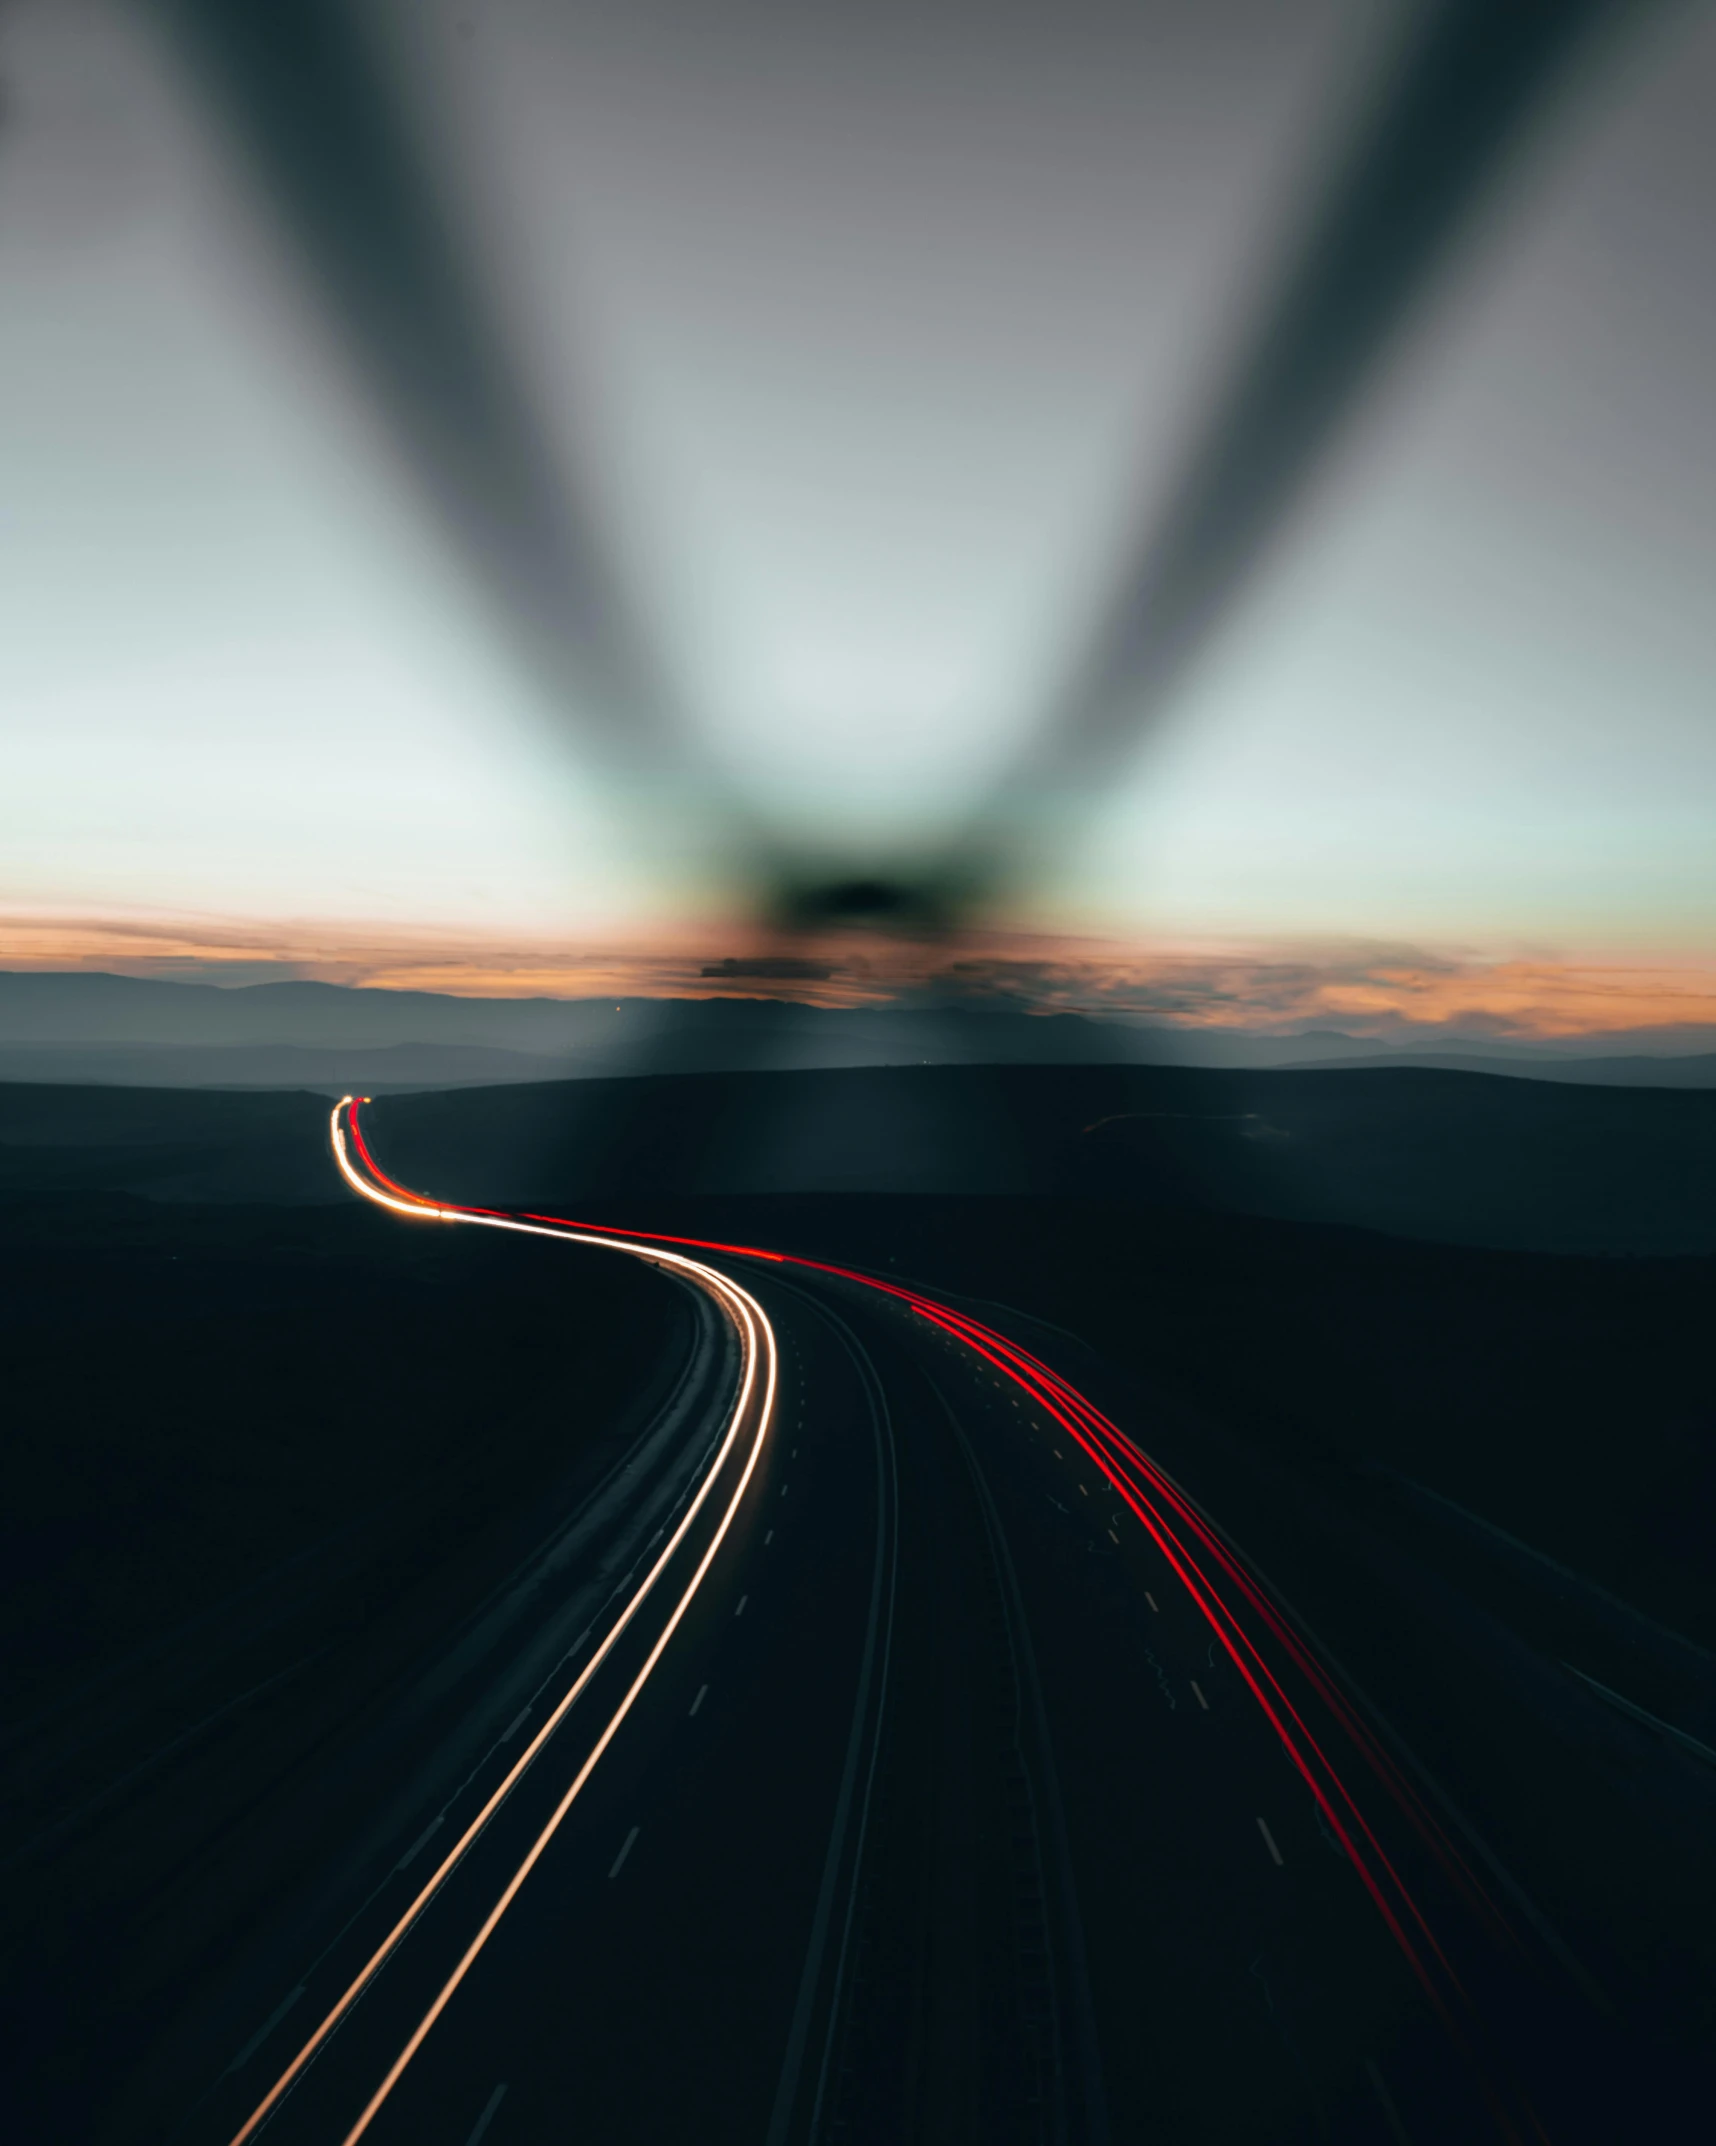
(1389, 992)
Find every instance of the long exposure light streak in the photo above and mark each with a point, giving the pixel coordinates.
(760, 1360)
(1207, 1567)
(1133, 1475)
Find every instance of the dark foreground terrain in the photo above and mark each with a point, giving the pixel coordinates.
(257, 1460)
(1433, 1349)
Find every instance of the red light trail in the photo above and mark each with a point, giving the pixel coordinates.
(1223, 1589)
(753, 1407)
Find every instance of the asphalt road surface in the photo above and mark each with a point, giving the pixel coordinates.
(889, 1751)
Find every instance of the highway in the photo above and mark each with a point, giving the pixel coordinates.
(895, 1752)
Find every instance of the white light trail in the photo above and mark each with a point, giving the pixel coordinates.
(759, 1347)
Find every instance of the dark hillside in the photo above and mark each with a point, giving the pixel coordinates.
(256, 1460)
(1459, 1157)
(165, 1143)
(264, 1441)
(1566, 1399)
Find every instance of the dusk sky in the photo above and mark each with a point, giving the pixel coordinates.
(877, 327)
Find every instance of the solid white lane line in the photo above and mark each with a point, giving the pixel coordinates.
(702, 1694)
(757, 1338)
(488, 2116)
(1198, 1695)
(625, 1850)
(1374, 2073)
(879, 1629)
(264, 2031)
(1269, 1843)
(517, 1722)
(422, 1841)
(740, 1611)
(540, 1845)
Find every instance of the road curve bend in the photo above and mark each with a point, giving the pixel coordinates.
(718, 1497)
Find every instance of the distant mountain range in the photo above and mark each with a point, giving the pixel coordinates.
(79, 1027)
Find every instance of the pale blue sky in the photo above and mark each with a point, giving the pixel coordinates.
(878, 336)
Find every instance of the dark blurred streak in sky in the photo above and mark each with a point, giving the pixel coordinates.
(309, 99)
(308, 95)
(1460, 98)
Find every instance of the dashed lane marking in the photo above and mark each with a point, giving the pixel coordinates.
(1374, 2073)
(703, 1693)
(626, 1849)
(1198, 1695)
(740, 1611)
(264, 2031)
(1269, 1843)
(488, 2116)
(422, 1841)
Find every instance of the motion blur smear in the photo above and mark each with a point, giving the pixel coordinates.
(831, 821)
(526, 231)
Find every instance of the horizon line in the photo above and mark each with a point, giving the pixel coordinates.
(1386, 993)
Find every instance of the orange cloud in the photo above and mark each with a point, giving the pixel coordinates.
(1393, 994)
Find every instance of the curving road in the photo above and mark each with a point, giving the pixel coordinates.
(893, 1751)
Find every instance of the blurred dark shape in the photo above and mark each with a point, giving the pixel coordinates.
(308, 96)
(309, 99)
(1461, 96)
(857, 898)
(922, 903)
(783, 967)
